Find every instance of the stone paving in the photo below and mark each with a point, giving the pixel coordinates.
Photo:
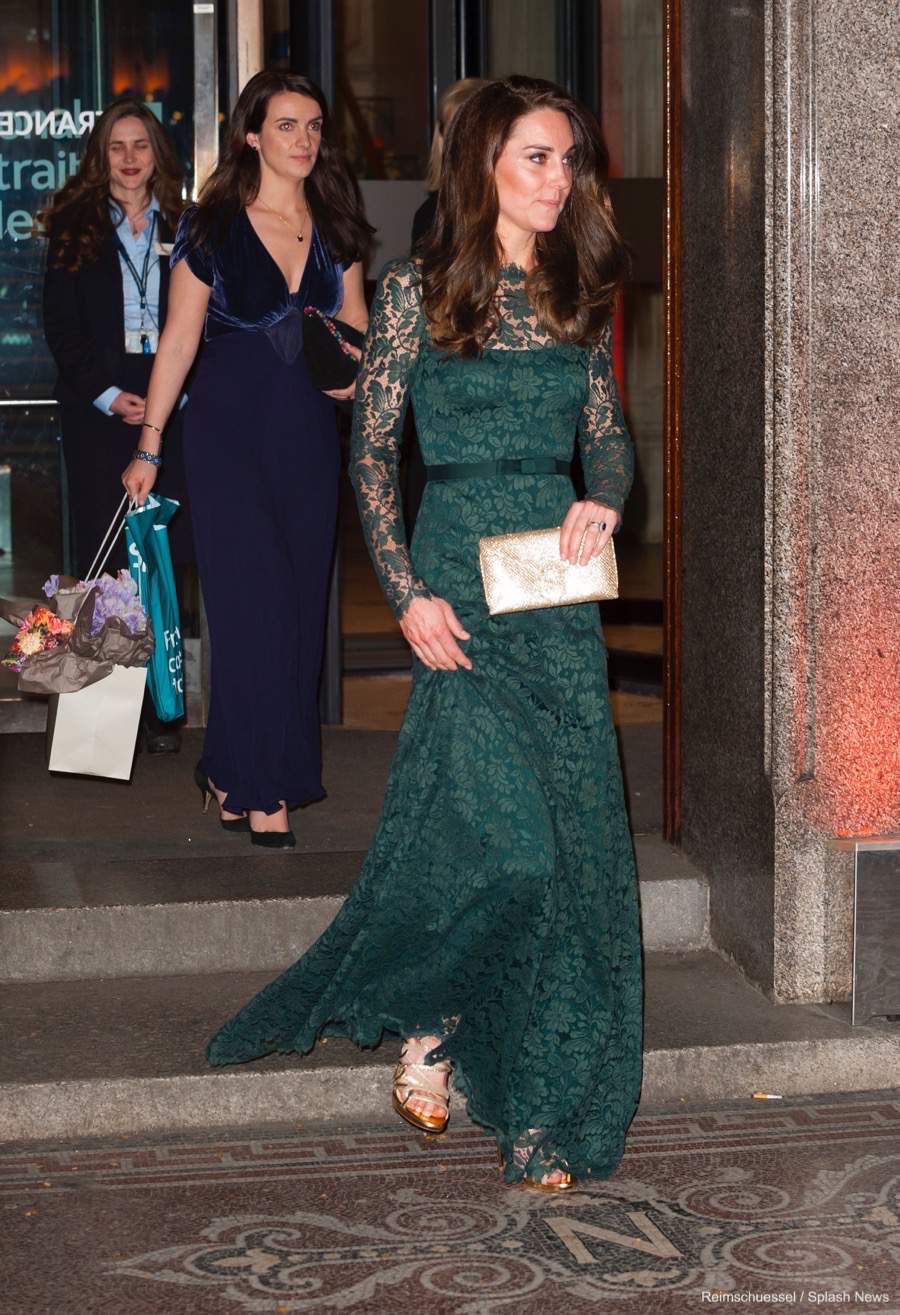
(744, 1205)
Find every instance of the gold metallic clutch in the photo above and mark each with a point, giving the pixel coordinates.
(524, 571)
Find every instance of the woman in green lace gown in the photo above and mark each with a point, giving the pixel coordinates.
(495, 923)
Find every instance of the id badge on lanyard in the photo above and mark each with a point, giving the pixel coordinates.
(145, 340)
(141, 341)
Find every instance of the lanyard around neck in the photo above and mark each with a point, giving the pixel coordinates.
(141, 279)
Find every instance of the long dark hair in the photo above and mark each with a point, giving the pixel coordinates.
(78, 219)
(331, 191)
(579, 264)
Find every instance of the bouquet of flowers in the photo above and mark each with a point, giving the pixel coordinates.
(96, 625)
(40, 632)
(115, 596)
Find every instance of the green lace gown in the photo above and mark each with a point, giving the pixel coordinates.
(497, 906)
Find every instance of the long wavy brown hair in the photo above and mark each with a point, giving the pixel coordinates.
(451, 99)
(331, 191)
(579, 265)
(78, 219)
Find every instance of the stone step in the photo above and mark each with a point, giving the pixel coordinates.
(132, 917)
(101, 1058)
(51, 817)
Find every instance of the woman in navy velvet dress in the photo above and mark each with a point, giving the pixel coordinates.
(278, 226)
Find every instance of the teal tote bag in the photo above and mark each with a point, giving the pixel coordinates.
(150, 564)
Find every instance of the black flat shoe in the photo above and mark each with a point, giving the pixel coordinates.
(273, 839)
(163, 744)
(156, 735)
(201, 780)
(160, 741)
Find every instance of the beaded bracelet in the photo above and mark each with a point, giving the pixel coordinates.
(140, 455)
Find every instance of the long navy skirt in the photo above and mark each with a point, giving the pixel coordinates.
(262, 461)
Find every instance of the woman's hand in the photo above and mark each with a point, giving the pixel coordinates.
(139, 478)
(590, 521)
(430, 627)
(129, 407)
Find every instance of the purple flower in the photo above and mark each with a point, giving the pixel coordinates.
(51, 586)
(117, 598)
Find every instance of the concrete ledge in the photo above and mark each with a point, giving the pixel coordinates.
(206, 914)
(675, 914)
(152, 940)
(23, 715)
(108, 1108)
(359, 1092)
(862, 1062)
(674, 896)
(100, 1058)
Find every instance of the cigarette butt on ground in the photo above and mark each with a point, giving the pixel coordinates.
(766, 1095)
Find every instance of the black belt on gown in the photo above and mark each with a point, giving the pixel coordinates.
(504, 466)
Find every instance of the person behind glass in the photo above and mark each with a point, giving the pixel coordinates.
(452, 99)
(494, 925)
(105, 302)
(278, 227)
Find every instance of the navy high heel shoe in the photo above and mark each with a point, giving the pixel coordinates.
(201, 780)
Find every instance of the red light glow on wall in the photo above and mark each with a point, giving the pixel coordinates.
(141, 78)
(858, 696)
(29, 69)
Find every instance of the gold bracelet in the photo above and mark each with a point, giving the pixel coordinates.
(147, 425)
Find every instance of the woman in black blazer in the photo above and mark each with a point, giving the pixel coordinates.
(105, 294)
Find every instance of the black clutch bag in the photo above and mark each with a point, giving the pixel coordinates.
(326, 346)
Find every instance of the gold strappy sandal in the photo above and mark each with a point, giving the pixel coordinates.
(565, 1184)
(411, 1079)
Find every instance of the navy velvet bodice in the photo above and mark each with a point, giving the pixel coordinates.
(248, 289)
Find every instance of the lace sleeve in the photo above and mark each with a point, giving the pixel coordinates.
(607, 452)
(396, 329)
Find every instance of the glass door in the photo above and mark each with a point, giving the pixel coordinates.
(61, 63)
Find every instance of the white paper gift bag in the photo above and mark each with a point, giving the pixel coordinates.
(94, 731)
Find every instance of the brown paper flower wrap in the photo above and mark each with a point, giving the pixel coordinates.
(86, 658)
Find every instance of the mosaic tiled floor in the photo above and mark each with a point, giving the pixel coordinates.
(751, 1207)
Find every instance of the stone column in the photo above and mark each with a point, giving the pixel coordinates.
(833, 583)
(791, 518)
